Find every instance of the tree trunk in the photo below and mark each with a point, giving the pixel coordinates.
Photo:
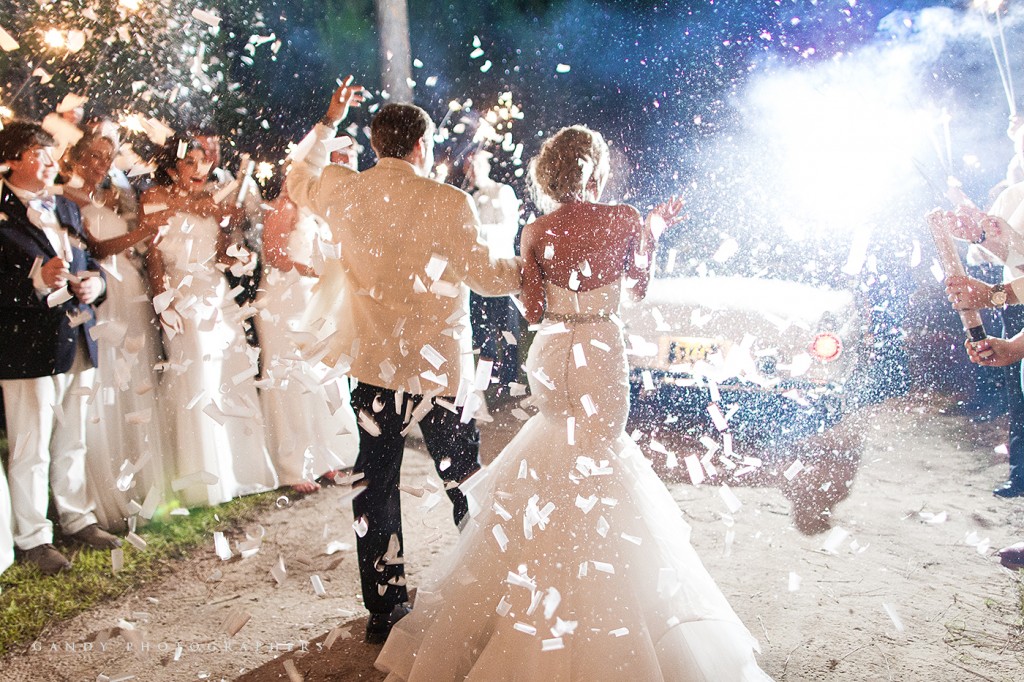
(395, 58)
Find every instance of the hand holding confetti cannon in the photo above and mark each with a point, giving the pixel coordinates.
(940, 224)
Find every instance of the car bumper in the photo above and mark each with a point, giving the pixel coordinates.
(781, 414)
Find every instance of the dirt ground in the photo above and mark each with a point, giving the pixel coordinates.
(903, 587)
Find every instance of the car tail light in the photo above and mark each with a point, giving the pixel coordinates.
(826, 347)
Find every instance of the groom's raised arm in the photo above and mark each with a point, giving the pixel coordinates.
(311, 182)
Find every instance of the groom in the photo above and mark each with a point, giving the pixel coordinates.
(409, 248)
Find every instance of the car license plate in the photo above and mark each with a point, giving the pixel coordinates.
(687, 349)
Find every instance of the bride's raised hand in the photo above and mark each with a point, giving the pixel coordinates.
(346, 96)
(664, 216)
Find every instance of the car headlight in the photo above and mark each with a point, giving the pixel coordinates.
(826, 347)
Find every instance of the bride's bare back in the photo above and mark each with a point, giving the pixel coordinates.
(581, 246)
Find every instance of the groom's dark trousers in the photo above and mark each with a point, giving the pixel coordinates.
(455, 449)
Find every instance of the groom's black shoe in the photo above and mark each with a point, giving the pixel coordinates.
(1012, 488)
(379, 626)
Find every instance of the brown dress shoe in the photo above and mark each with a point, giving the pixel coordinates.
(47, 559)
(96, 537)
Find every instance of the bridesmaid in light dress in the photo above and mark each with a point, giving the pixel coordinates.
(311, 430)
(210, 370)
(126, 430)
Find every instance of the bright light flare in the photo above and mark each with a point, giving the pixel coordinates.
(55, 38)
(264, 171)
(835, 145)
(990, 6)
(826, 347)
(130, 5)
(132, 123)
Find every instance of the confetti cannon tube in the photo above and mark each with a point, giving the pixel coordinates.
(951, 265)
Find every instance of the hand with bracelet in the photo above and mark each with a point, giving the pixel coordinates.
(967, 293)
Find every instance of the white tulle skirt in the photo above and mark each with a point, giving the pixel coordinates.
(576, 562)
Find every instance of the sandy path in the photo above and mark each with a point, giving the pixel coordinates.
(960, 613)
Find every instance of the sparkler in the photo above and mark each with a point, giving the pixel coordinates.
(986, 7)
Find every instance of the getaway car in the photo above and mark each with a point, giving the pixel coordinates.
(767, 361)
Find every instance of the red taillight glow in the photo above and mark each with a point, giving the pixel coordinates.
(826, 347)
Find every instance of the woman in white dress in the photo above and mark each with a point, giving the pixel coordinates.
(125, 429)
(576, 564)
(311, 430)
(209, 377)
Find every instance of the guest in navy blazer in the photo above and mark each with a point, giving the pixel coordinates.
(48, 286)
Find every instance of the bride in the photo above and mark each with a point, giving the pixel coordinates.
(576, 563)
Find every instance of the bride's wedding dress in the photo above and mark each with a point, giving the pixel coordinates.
(576, 562)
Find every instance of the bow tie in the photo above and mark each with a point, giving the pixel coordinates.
(41, 212)
(45, 202)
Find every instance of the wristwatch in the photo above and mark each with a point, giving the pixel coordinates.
(997, 297)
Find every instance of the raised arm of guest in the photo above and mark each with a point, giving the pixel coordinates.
(644, 240)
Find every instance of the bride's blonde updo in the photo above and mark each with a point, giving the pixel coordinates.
(567, 162)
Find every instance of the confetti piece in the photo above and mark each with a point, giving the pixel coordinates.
(278, 571)
(603, 567)
(619, 632)
(335, 634)
(668, 582)
(293, 673)
(337, 546)
(431, 355)
(7, 42)
(891, 611)
(235, 621)
(116, 560)
(717, 417)
(648, 380)
(835, 538)
(221, 546)
(586, 503)
(196, 478)
(361, 526)
(563, 68)
(694, 469)
(631, 538)
(483, 375)
(504, 607)
(318, 586)
(206, 17)
(367, 423)
(794, 582)
(793, 469)
(729, 497)
(136, 541)
(726, 250)
(436, 267)
(523, 627)
(499, 534)
(552, 644)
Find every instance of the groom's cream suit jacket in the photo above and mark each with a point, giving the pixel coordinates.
(395, 305)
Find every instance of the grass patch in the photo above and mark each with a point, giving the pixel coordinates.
(29, 601)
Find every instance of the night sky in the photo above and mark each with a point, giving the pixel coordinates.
(797, 126)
